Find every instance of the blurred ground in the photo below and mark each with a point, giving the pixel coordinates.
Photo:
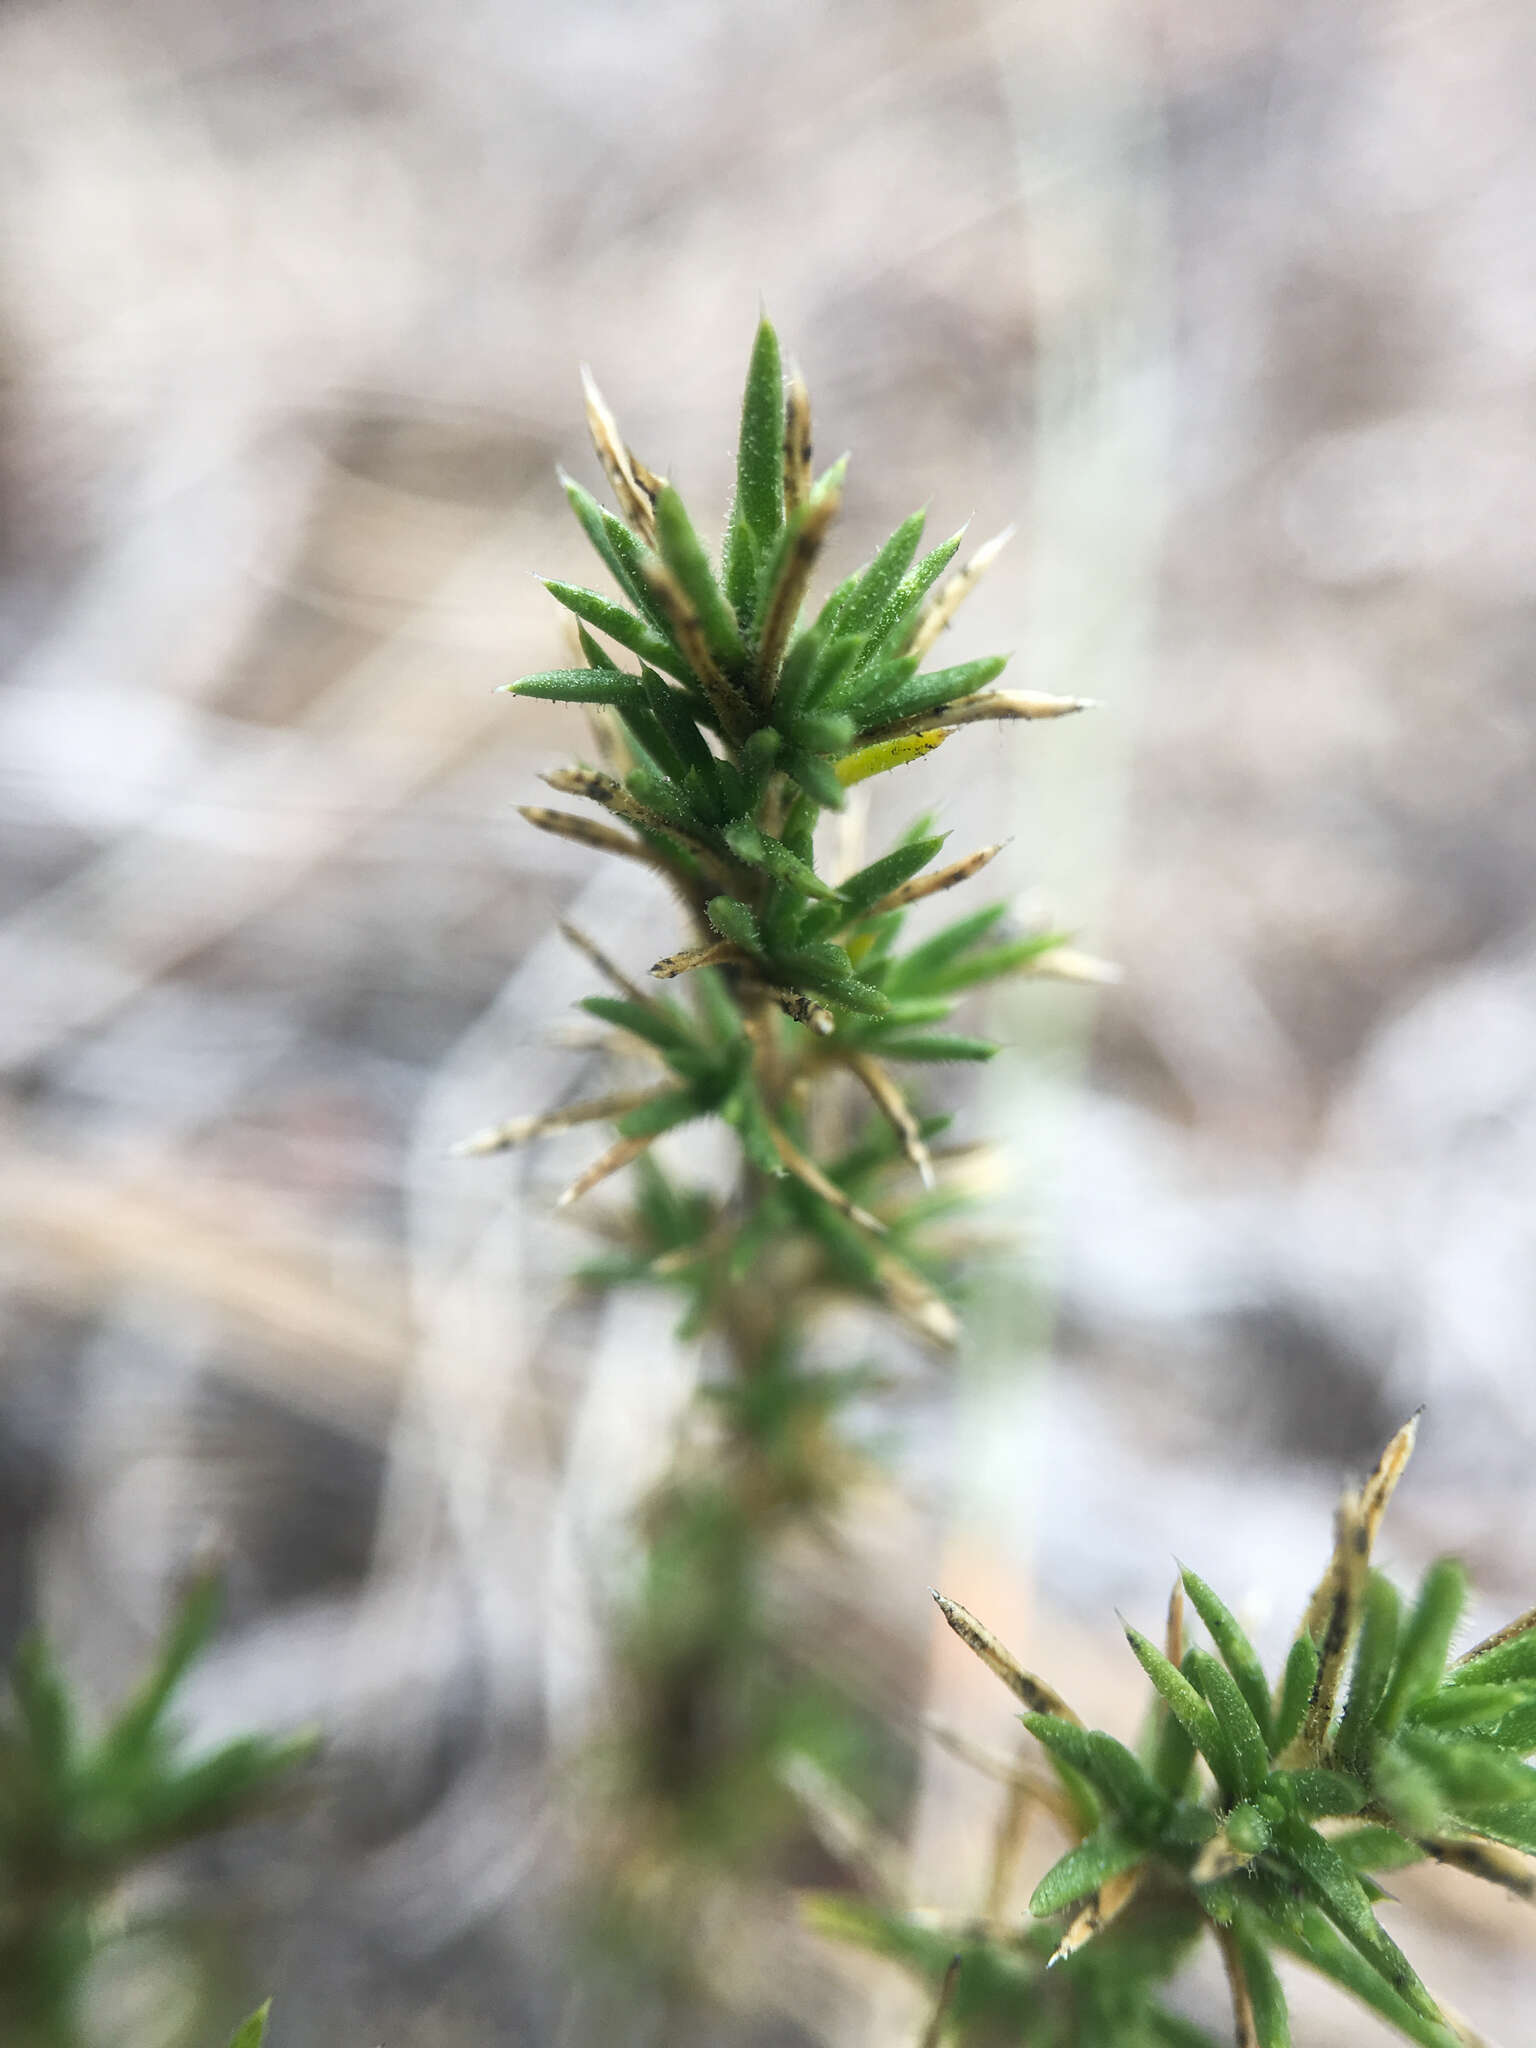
(1235, 309)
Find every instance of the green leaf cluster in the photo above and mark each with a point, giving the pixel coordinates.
(747, 712)
(1266, 1812)
(79, 1811)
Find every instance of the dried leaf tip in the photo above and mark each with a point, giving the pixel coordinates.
(937, 615)
(635, 500)
(1034, 1692)
(797, 443)
(616, 1157)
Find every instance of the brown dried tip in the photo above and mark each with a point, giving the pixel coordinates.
(1173, 1632)
(519, 1130)
(635, 501)
(721, 953)
(1034, 1692)
(1490, 1861)
(945, 878)
(797, 445)
(804, 1010)
(1011, 704)
(609, 969)
(585, 832)
(937, 614)
(987, 704)
(616, 1157)
(897, 1111)
(807, 1171)
(1107, 1903)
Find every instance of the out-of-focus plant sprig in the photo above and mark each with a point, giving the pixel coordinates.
(731, 713)
(80, 1813)
(1261, 1813)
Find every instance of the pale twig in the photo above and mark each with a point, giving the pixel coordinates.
(519, 1130)
(1034, 1692)
(897, 1111)
(921, 886)
(938, 612)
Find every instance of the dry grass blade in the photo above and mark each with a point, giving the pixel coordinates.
(897, 1111)
(1034, 1692)
(612, 1161)
(944, 878)
(719, 953)
(1107, 1903)
(688, 631)
(789, 591)
(936, 615)
(635, 500)
(933, 2033)
(797, 445)
(1245, 2024)
(519, 1130)
(810, 1174)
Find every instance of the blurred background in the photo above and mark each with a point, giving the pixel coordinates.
(1233, 308)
